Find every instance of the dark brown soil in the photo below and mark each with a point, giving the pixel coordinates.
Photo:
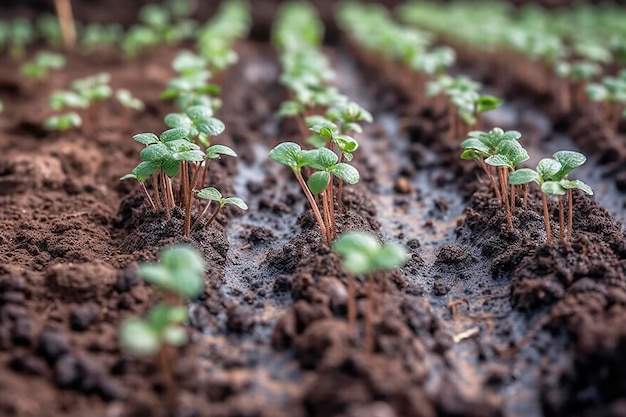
(482, 321)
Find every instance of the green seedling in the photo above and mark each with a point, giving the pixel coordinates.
(63, 122)
(611, 92)
(199, 122)
(43, 62)
(212, 194)
(129, 103)
(167, 156)
(178, 277)
(98, 37)
(481, 145)
(569, 161)
(138, 39)
(292, 155)
(550, 175)
(21, 34)
(94, 88)
(509, 155)
(364, 255)
(1, 106)
(49, 29)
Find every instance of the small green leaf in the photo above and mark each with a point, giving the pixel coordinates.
(177, 120)
(175, 336)
(289, 109)
(390, 256)
(211, 126)
(476, 145)
(235, 201)
(210, 193)
(569, 161)
(171, 167)
(498, 161)
(145, 169)
(576, 184)
(548, 168)
(214, 152)
(472, 155)
(523, 176)
(347, 173)
(130, 176)
(199, 113)
(174, 134)
(286, 153)
(191, 156)
(138, 337)
(146, 138)
(486, 103)
(326, 158)
(346, 143)
(318, 181)
(552, 188)
(156, 152)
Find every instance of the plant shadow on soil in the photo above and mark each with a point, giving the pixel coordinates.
(481, 321)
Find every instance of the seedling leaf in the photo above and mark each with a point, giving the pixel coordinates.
(347, 173)
(174, 134)
(547, 168)
(552, 188)
(146, 138)
(210, 193)
(235, 201)
(523, 176)
(318, 181)
(214, 152)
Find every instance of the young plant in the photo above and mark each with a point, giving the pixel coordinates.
(129, 103)
(569, 161)
(42, 63)
(101, 38)
(212, 194)
(63, 122)
(364, 255)
(481, 145)
(178, 277)
(21, 34)
(508, 156)
(49, 29)
(293, 156)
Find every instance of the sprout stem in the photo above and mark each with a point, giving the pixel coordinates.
(561, 220)
(214, 215)
(340, 190)
(164, 186)
(369, 318)
(507, 208)
(526, 188)
(491, 180)
(546, 217)
(145, 190)
(155, 188)
(316, 210)
(168, 379)
(351, 304)
(512, 199)
(570, 214)
(186, 198)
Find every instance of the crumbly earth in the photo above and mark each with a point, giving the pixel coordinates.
(482, 321)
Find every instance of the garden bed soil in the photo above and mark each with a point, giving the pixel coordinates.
(482, 321)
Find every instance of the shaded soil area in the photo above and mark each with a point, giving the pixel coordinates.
(482, 321)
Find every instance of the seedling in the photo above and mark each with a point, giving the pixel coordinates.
(481, 145)
(138, 39)
(42, 63)
(364, 255)
(129, 103)
(611, 92)
(178, 277)
(551, 177)
(509, 155)
(21, 34)
(569, 161)
(292, 155)
(167, 156)
(63, 122)
(212, 194)
(49, 29)
(97, 37)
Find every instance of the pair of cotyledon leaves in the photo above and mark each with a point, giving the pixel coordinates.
(323, 159)
(551, 174)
